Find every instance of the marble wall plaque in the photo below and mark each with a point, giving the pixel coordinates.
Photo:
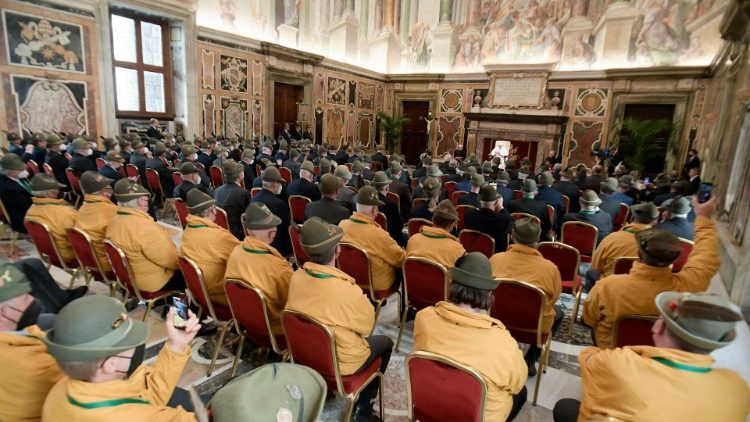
(50, 105)
(517, 90)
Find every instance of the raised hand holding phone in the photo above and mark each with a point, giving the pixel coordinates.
(179, 339)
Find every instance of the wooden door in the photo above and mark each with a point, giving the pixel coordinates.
(285, 99)
(414, 139)
(526, 150)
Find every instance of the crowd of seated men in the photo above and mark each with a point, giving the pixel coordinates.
(69, 355)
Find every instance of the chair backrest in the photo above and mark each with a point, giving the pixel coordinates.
(348, 166)
(520, 307)
(580, 235)
(414, 183)
(196, 284)
(83, 248)
(475, 241)
(42, 238)
(382, 221)
(4, 217)
(258, 170)
(316, 170)
(152, 177)
(393, 197)
(461, 213)
(418, 201)
(286, 174)
(47, 168)
(217, 176)
(355, 261)
(255, 191)
(520, 215)
(200, 166)
(131, 170)
(32, 166)
(551, 214)
(100, 163)
(123, 171)
(566, 203)
(456, 196)
(565, 257)
(249, 307)
(517, 194)
(377, 166)
(633, 330)
(686, 247)
(177, 178)
(121, 267)
(441, 389)
(450, 187)
(621, 217)
(311, 343)
(221, 218)
(623, 264)
(73, 180)
(297, 204)
(425, 282)
(182, 211)
(415, 224)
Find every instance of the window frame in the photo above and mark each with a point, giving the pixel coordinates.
(140, 67)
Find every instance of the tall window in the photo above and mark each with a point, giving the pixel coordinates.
(143, 74)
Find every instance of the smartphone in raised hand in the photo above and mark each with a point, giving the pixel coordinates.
(704, 192)
(180, 304)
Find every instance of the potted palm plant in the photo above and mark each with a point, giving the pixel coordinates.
(640, 135)
(393, 127)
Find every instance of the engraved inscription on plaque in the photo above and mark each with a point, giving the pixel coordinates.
(517, 90)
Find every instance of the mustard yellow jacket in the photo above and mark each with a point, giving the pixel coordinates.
(523, 263)
(385, 254)
(59, 216)
(615, 245)
(209, 245)
(643, 383)
(29, 372)
(465, 336)
(148, 247)
(260, 265)
(436, 245)
(93, 217)
(141, 397)
(634, 293)
(332, 297)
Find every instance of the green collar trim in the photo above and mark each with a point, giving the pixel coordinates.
(357, 220)
(105, 403)
(631, 231)
(434, 236)
(682, 366)
(255, 251)
(123, 213)
(197, 226)
(318, 275)
(587, 212)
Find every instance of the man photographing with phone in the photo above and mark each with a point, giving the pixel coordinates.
(101, 350)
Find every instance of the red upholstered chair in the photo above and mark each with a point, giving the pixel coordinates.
(297, 204)
(32, 166)
(124, 273)
(47, 168)
(200, 166)
(123, 171)
(633, 330)
(621, 217)
(286, 174)
(567, 260)
(517, 194)
(456, 195)
(255, 191)
(222, 314)
(417, 202)
(316, 170)
(461, 211)
(182, 212)
(476, 241)
(441, 389)
(580, 235)
(258, 170)
(377, 166)
(300, 256)
(131, 170)
(566, 203)
(5, 223)
(177, 178)
(221, 218)
(217, 176)
(520, 215)
(393, 197)
(100, 163)
(68, 156)
(382, 221)
(520, 307)
(356, 263)
(414, 183)
(47, 248)
(414, 225)
(425, 284)
(88, 259)
(623, 264)
(686, 249)
(249, 307)
(154, 183)
(450, 187)
(311, 343)
(348, 166)
(75, 185)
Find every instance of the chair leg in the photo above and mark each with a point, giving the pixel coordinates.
(382, 396)
(401, 329)
(574, 314)
(350, 407)
(377, 312)
(542, 367)
(73, 279)
(237, 356)
(218, 346)
(149, 305)
(13, 239)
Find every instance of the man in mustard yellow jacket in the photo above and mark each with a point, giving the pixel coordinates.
(257, 263)
(97, 212)
(57, 214)
(523, 262)
(634, 293)
(100, 349)
(29, 372)
(148, 247)
(362, 230)
(329, 295)
(436, 243)
(620, 243)
(673, 381)
(460, 329)
(207, 243)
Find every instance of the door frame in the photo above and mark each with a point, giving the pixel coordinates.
(290, 79)
(428, 96)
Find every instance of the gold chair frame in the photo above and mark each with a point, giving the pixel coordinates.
(446, 284)
(576, 294)
(113, 284)
(13, 234)
(72, 271)
(580, 223)
(481, 234)
(166, 203)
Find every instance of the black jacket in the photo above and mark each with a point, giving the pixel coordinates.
(570, 190)
(181, 190)
(153, 132)
(110, 173)
(382, 159)
(304, 188)
(139, 161)
(602, 220)
(471, 198)
(165, 175)
(395, 224)
(404, 197)
(280, 208)
(328, 210)
(81, 164)
(17, 201)
(233, 199)
(421, 211)
(535, 208)
(59, 163)
(495, 224)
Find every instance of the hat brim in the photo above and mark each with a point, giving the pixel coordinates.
(65, 353)
(325, 245)
(99, 185)
(272, 179)
(274, 222)
(663, 300)
(473, 280)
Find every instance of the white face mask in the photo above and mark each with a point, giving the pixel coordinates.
(88, 152)
(63, 147)
(193, 157)
(280, 188)
(117, 148)
(23, 174)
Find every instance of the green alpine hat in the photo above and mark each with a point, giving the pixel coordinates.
(11, 161)
(487, 167)
(430, 185)
(218, 150)
(487, 194)
(42, 182)
(677, 205)
(329, 184)
(271, 174)
(357, 166)
(188, 150)
(503, 177)
(160, 149)
(590, 198)
(343, 172)
(568, 173)
(529, 186)
(626, 181)
(189, 168)
(609, 185)
(232, 170)
(368, 195)
(13, 283)
(318, 237)
(91, 328)
(477, 180)
(380, 179)
(198, 201)
(126, 189)
(395, 168)
(115, 157)
(53, 140)
(662, 179)
(645, 211)
(325, 165)
(80, 143)
(434, 171)
(446, 210)
(526, 231)
(278, 391)
(137, 143)
(308, 166)
(474, 270)
(661, 246)
(109, 143)
(248, 153)
(259, 217)
(546, 179)
(294, 153)
(92, 181)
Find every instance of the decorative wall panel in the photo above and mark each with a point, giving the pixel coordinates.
(335, 126)
(451, 100)
(257, 112)
(351, 127)
(365, 128)
(591, 102)
(336, 91)
(319, 91)
(366, 94)
(41, 42)
(233, 117)
(47, 105)
(448, 133)
(209, 110)
(352, 93)
(583, 136)
(258, 77)
(208, 69)
(233, 74)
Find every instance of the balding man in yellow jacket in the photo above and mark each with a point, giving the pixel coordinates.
(257, 263)
(673, 381)
(634, 293)
(436, 243)
(460, 329)
(57, 214)
(207, 243)
(362, 230)
(97, 212)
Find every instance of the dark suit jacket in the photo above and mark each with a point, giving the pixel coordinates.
(420, 173)
(694, 186)
(471, 198)
(570, 190)
(17, 201)
(404, 197)
(421, 211)
(341, 157)
(554, 198)
(294, 166)
(659, 199)
(139, 161)
(165, 175)
(233, 199)
(38, 155)
(280, 208)
(80, 164)
(592, 182)
(153, 132)
(602, 220)
(181, 190)
(382, 159)
(59, 163)
(609, 205)
(535, 208)
(395, 224)
(304, 188)
(110, 173)
(327, 209)
(506, 192)
(679, 227)
(495, 224)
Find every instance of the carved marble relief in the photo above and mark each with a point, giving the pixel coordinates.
(208, 69)
(257, 113)
(336, 91)
(591, 102)
(233, 117)
(448, 133)
(41, 42)
(46, 105)
(233, 74)
(335, 126)
(582, 139)
(352, 94)
(257, 76)
(209, 109)
(451, 100)
(366, 95)
(379, 97)
(365, 128)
